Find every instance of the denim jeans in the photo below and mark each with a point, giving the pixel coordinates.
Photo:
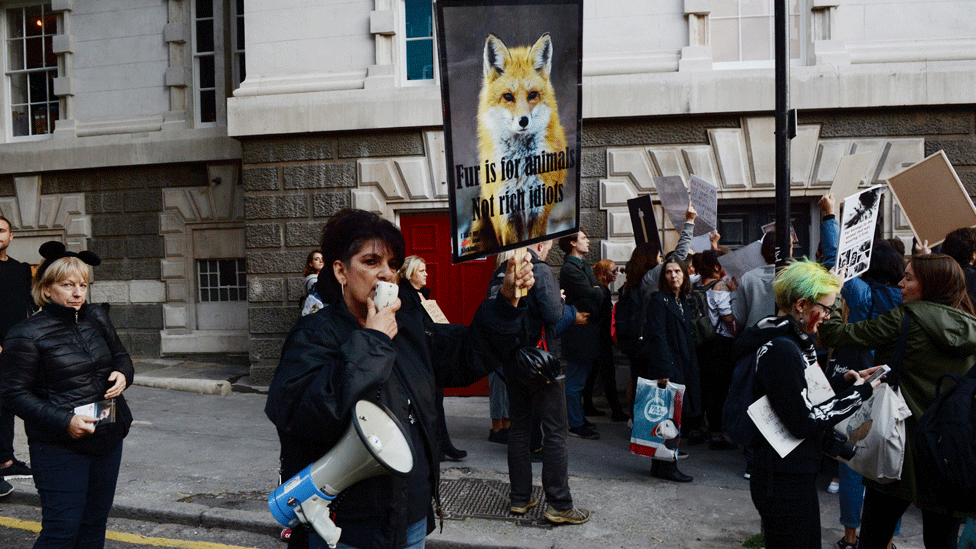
(547, 403)
(497, 396)
(576, 373)
(416, 536)
(76, 495)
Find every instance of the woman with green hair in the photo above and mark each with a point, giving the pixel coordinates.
(784, 346)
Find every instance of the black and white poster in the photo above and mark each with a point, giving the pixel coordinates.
(857, 231)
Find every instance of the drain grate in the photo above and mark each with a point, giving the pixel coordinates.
(486, 499)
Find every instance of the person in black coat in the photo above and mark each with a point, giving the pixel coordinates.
(669, 350)
(349, 351)
(61, 370)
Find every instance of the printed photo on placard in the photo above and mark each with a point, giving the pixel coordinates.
(511, 76)
(857, 231)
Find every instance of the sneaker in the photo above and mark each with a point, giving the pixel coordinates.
(748, 474)
(521, 509)
(17, 469)
(569, 516)
(5, 488)
(834, 487)
(584, 431)
(680, 454)
(841, 544)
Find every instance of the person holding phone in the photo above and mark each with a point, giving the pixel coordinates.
(783, 488)
(393, 356)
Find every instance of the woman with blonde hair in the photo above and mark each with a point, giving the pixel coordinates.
(60, 370)
(784, 488)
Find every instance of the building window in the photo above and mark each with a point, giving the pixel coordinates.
(419, 42)
(218, 55)
(742, 30)
(32, 67)
(222, 280)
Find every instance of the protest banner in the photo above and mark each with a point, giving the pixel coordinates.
(644, 222)
(704, 197)
(739, 262)
(511, 76)
(850, 170)
(933, 199)
(673, 194)
(857, 232)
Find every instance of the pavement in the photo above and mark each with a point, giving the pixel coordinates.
(201, 452)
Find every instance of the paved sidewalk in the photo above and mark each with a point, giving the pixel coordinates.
(209, 458)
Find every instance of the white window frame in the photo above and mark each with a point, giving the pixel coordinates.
(236, 53)
(800, 58)
(6, 94)
(402, 48)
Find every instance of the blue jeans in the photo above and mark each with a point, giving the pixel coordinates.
(576, 373)
(497, 396)
(76, 495)
(416, 536)
(852, 497)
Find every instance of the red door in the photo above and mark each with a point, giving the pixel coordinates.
(458, 289)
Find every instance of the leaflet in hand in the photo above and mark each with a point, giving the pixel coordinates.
(104, 410)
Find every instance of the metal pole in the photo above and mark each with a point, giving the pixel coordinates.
(785, 130)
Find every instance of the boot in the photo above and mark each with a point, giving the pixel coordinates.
(668, 470)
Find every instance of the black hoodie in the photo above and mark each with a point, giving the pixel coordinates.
(785, 352)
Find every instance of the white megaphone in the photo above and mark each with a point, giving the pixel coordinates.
(374, 444)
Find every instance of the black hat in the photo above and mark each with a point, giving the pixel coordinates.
(53, 250)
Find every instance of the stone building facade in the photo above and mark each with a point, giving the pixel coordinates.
(172, 191)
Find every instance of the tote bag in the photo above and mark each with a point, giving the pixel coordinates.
(657, 419)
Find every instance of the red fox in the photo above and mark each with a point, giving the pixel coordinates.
(521, 143)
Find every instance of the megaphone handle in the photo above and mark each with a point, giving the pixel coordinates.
(315, 511)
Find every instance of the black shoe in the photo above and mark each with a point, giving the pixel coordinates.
(453, 454)
(500, 436)
(584, 431)
(5, 488)
(17, 469)
(589, 423)
(592, 411)
(668, 470)
(619, 416)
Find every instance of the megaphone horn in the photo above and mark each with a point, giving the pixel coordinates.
(375, 443)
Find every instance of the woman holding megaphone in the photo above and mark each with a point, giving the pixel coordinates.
(352, 350)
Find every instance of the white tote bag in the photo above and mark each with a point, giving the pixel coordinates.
(877, 430)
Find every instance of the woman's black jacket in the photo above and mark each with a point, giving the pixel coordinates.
(59, 359)
(329, 362)
(669, 351)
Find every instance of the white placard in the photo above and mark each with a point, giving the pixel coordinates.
(704, 197)
(857, 231)
(850, 170)
(743, 260)
(769, 424)
(673, 194)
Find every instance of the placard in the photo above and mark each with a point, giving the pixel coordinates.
(704, 197)
(933, 199)
(743, 260)
(511, 76)
(857, 232)
(643, 221)
(673, 195)
(850, 170)
(434, 311)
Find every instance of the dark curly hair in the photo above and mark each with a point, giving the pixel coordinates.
(342, 238)
(960, 245)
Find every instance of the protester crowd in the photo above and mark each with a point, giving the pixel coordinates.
(685, 327)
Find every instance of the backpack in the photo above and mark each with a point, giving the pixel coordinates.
(702, 328)
(945, 437)
(628, 318)
(735, 417)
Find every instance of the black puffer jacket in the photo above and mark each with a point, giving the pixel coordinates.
(59, 359)
(329, 362)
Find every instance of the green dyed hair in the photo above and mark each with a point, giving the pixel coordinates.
(803, 280)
